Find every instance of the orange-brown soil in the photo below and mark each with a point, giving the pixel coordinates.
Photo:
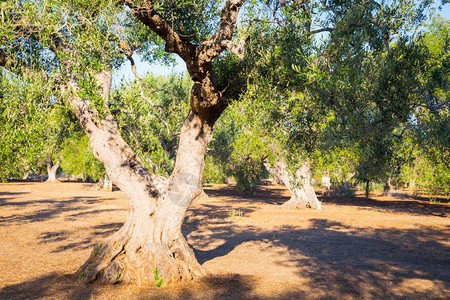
(382, 247)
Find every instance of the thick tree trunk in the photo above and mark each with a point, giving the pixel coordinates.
(151, 239)
(51, 171)
(299, 184)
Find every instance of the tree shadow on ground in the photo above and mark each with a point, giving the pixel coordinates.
(51, 208)
(67, 286)
(346, 261)
(262, 195)
(5, 197)
(339, 262)
(410, 205)
(98, 232)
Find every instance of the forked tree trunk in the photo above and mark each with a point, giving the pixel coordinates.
(151, 241)
(51, 171)
(298, 184)
(151, 238)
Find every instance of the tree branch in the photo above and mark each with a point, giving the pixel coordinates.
(312, 32)
(3, 59)
(238, 49)
(146, 13)
(133, 65)
(212, 48)
(308, 22)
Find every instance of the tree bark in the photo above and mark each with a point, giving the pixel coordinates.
(51, 170)
(151, 237)
(298, 184)
(387, 187)
(150, 240)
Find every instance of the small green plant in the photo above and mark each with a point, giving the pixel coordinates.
(158, 278)
(97, 249)
(80, 276)
(236, 214)
(118, 276)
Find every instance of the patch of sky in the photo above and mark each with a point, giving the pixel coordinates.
(124, 75)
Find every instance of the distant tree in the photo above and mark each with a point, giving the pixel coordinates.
(31, 125)
(380, 98)
(78, 159)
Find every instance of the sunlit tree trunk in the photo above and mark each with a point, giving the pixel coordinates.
(298, 184)
(150, 241)
(51, 170)
(151, 237)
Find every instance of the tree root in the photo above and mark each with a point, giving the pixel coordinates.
(125, 260)
(295, 203)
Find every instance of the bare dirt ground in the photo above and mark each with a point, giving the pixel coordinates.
(382, 247)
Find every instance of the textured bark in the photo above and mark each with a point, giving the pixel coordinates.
(151, 239)
(298, 184)
(51, 171)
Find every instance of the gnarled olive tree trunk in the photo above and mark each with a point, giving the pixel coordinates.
(299, 184)
(150, 241)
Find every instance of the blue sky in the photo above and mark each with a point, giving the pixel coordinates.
(143, 67)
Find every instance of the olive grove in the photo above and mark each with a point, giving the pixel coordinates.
(256, 50)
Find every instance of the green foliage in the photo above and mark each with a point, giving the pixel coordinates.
(213, 173)
(426, 175)
(32, 124)
(194, 20)
(150, 113)
(339, 163)
(246, 161)
(343, 96)
(77, 158)
(236, 151)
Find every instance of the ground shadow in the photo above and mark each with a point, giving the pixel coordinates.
(99, 232)
(76, 206)
(352, 261)
(262, 195)
(409, 205)
(67, 286)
